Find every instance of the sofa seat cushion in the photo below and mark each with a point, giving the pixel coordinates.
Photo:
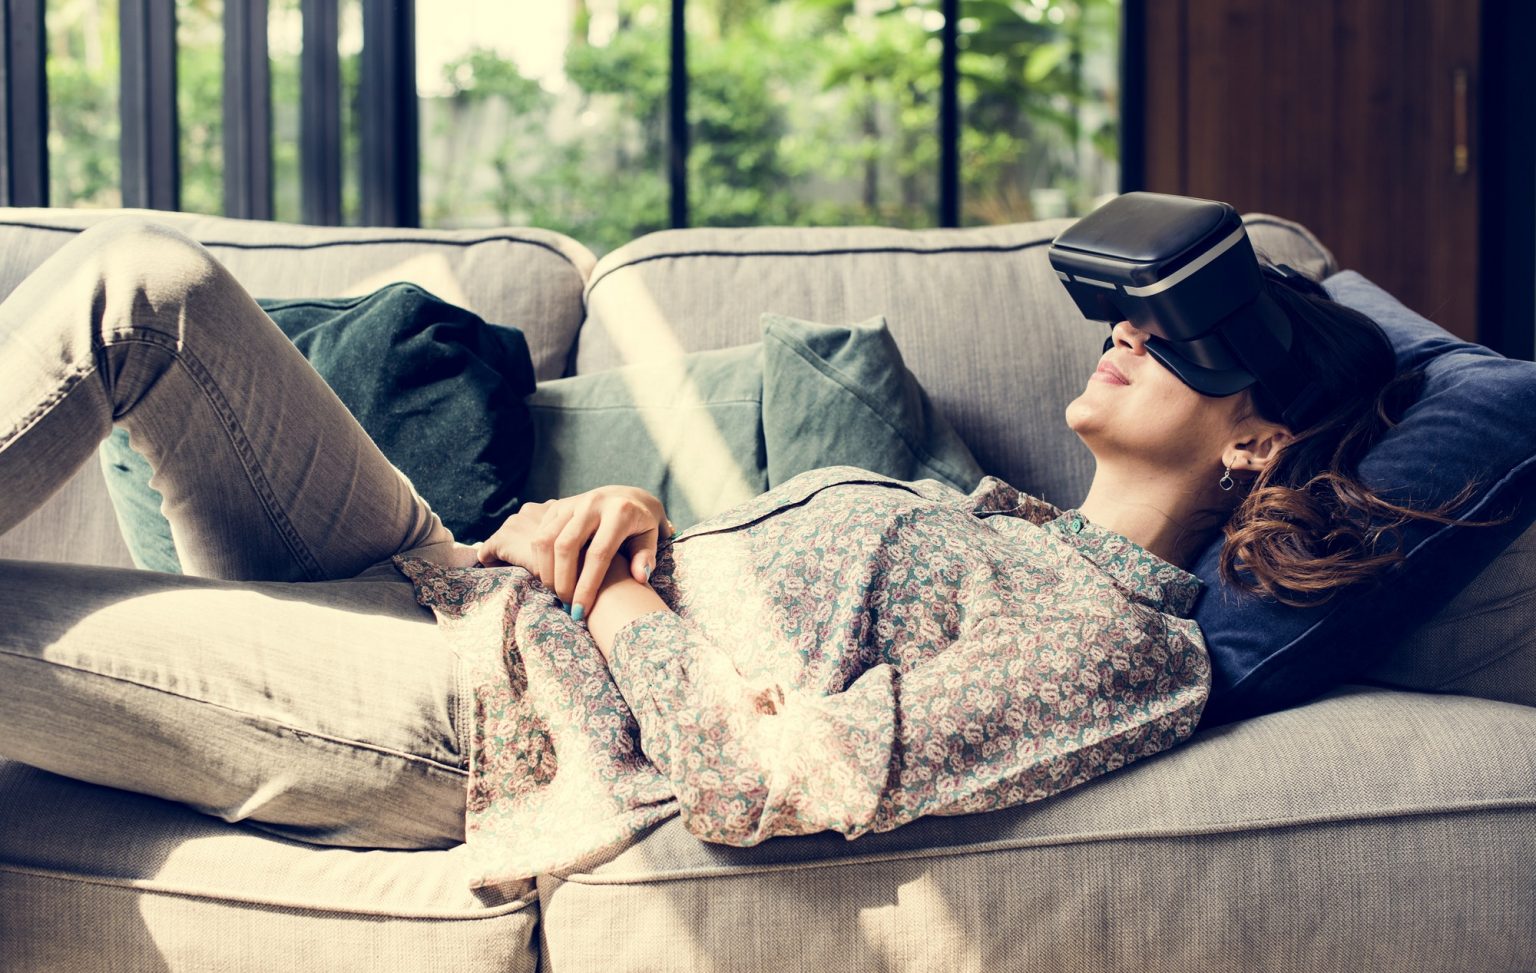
(981, 319)
(93, 878)
(1371, 829)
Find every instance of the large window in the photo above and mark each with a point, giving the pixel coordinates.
(1039, 95)
(82, 77)
(546, 114)
(605, 119)
(200, 103)
(285, 45)
(809, 112)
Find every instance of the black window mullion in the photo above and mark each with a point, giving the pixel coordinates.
(23, 105)
(949, 116)
(391, 149)
(677, 119)
(320, 118)
(1132, 107)
(150, 153)
(1504, 156)
(247, 111)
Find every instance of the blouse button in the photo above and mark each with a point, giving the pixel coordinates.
(1077, 525)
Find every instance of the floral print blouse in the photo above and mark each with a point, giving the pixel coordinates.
(844, 652)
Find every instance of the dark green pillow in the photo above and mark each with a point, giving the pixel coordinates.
(710, 429)
(427, 380)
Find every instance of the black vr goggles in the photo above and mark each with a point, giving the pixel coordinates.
(1183, 270)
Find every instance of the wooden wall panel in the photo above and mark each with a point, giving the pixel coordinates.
(1452, 260)
(1336, 113)
(1163, 93)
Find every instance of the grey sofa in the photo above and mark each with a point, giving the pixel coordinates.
(1377, 828)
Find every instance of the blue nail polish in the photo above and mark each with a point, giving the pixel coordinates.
(565, 606)
(648, 569)
(577, 612)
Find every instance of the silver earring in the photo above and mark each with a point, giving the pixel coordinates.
(1226, 478)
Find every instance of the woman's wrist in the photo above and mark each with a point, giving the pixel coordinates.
(620, 600)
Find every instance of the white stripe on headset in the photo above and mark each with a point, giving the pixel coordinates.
(1172, 279)
(1191, 267)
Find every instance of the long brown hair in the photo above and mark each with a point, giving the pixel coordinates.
(1309, 526)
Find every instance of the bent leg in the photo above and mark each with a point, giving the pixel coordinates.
(265, 474)
(327, 712)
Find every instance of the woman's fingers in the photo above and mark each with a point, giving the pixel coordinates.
(544, 539)
(495, 549)
(642, 555)
(611, 535)
(568, 549)
(569, 544)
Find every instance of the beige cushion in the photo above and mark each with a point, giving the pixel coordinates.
(978, 314)
(1372, 830)
(106, 880)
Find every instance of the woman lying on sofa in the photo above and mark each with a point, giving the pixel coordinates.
(845, 652)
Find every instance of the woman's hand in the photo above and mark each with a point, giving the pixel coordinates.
(569, 543)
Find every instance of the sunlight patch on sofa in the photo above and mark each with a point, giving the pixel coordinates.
(696, 453)
(920, 930)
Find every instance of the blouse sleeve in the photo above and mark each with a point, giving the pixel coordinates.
(1002, 716)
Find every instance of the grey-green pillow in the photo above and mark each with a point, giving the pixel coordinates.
(707, 430)
(840, 395)
(688, 429)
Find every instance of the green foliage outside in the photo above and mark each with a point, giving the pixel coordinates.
(801, 112)
(199, 85)
(83, 127)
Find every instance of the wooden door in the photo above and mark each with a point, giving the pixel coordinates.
(1353, 117)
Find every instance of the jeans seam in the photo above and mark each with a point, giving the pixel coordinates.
(228, 419)
(264, 721)
(47, 405)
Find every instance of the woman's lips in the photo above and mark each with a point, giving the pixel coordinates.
(1109, 373)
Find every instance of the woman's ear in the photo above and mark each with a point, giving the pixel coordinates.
(1259, 449)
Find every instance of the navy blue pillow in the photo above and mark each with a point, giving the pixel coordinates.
(1475, 420)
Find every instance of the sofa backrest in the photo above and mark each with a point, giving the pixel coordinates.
(525, 277)
(978, 314)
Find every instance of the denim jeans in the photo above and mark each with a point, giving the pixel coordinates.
(288, 679)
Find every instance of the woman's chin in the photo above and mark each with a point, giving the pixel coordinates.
(1081, 415)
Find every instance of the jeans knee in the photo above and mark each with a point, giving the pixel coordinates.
(134, 234)
(138, 249)
(144, 268)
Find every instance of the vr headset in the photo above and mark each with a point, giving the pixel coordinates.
(1183, 270)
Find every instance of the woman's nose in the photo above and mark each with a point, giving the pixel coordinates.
(1130, 337)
